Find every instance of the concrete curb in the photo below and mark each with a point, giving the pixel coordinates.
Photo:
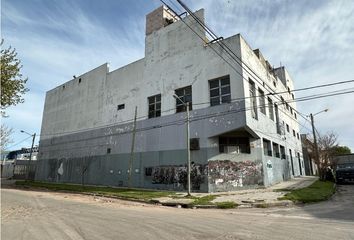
(282, 203)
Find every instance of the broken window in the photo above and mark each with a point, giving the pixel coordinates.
(270, 108)
(267, 148)
(234, 145)
(262, 106)
(185, 94)
(253, 100)
(154, 106)
(220, 91)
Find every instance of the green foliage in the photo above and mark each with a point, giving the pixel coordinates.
(12, 81)
(127, 193)
(226, 205)
(318, 191)
(206, 200)
(339, 150)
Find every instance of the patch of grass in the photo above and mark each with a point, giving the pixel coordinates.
(206, 200)
(226, 205)
(128, 193)
(282, 190)
(318, 191)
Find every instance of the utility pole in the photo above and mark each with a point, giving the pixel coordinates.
(31, 151)
(315, 143)
(188, 145)
(132, 150)
(188, 154)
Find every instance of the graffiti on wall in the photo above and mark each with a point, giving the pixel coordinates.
(235, 174)
(177, 174)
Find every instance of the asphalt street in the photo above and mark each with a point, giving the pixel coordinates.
(47, 215)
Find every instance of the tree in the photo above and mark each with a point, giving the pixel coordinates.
(12, 81)
(5, 133)
(340, 150)
(326, 150)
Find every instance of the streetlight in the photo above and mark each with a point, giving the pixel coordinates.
(188, 146)
(314, 136)
(30, 156)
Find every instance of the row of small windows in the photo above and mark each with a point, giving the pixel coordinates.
(220, 92)
(295, 134)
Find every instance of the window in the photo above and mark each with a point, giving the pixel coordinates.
(79, 80)
(108, 150)
(194, 144)
(287, 106)
(234, 145)
(185, 94)
(220, 91)
(294, 133)
(276, 150)
(270, 108)
(287, 128)
(275, 84)
(253, 100)
(262, 106)
(121, 106)
(148, 171)
(292, 95)
(291, 110)
(267, 148)
(295, 115)
(154, 106)
(282, 152)
(297, 135)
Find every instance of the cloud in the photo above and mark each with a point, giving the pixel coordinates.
(58, 39)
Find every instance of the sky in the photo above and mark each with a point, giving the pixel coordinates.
(56, 39)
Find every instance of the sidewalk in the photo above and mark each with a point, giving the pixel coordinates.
(267, 197)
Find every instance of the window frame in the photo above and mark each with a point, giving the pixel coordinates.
(220, 96)
(180, 107)
(156, 112)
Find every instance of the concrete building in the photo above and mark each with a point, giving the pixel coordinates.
(241, 136)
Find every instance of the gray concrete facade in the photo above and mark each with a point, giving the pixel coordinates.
(86, 137)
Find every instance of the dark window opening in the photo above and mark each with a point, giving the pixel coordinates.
(63, 86)
(282, 152)
(253, 99)
(148, 171)
(194, 144)
(276, 150)
(267, 148)
(287, 128)
(262, 106)
(121, 106)
(270, 108)
(79, 80)
(295, 115)
(297, 135)
(234, 145)
(220, 91)
(185, 94)
(294, 133)
(108, 150)
(154, 106)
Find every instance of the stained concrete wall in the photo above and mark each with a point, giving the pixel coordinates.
(81, 120)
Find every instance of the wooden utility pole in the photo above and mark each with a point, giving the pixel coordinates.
(132, 150)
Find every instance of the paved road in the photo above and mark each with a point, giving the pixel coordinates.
(45, 215)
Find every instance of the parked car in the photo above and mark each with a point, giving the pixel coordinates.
(345, 172)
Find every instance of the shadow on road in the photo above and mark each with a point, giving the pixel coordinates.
(339, 207)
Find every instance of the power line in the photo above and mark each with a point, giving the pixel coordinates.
(177, 122)
(19, 142)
